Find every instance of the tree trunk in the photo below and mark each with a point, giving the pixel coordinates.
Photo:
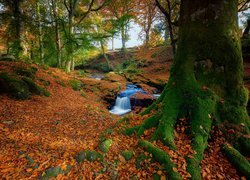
(41, 50)
(113, 43)
(58, 37)
(70, 60)
(206, 80)
(123, 34)
(16, 47)
(170, 27)
(147, 37)
(104, 54)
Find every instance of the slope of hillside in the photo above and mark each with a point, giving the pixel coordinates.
(71, 134)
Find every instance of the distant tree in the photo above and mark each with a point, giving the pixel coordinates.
(146, 17)
(71, 7)
(12, 11)
(56, 19)
(123, 11)
(170, 9)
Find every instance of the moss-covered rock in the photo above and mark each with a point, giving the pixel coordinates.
(105, 145)
(93, 156)
(15, 87)
(27, 72)
(80, 157)
(20, 89)
(51, 172)
(54, 171)
(127, 155)
(33, 87)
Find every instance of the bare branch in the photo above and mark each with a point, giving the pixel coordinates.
(65, 4)
(244, 5)
(162, 9)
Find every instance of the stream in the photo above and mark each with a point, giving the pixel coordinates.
(122, 104)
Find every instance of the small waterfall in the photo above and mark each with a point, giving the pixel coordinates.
(122, 106)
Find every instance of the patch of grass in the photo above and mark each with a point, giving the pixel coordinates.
(75, 84)
(81, 73)
(55, 76)
(103, 67)
(129, 66)
(45, 83)
(61, 83)
(82, 93)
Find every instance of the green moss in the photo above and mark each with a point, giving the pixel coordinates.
(140, 159)
(45, 83)
(239, 161)
(244, 145)
(80, 157)
(15, 87)
(105, 145)
(61, 83)
(162, 158)
(7, 58)
(93, 156)
(233, 113)
(52, 172)
(127, 155)
(75, 84)
(33, 87)
(156, 177)
(27, 72)
(149, 123)
(130, 131)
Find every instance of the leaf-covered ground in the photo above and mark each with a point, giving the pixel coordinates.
(45, 136)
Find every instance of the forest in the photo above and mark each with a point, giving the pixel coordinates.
(124, 89)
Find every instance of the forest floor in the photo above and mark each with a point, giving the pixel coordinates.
(47, 136)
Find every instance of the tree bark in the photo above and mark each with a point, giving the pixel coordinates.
(17, 47)
(206, 80)
(113, 43)
(57, 31)
(41, 49)
(104, 54)
(123, 34)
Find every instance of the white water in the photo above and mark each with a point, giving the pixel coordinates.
(122, 106)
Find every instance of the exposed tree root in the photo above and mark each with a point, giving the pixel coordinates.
(239, 161)
(162, 158)
(198, 104)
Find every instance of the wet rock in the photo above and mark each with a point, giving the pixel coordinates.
(141, 100)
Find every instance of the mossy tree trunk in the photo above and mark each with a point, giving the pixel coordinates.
(206, 81)
(15, 46)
